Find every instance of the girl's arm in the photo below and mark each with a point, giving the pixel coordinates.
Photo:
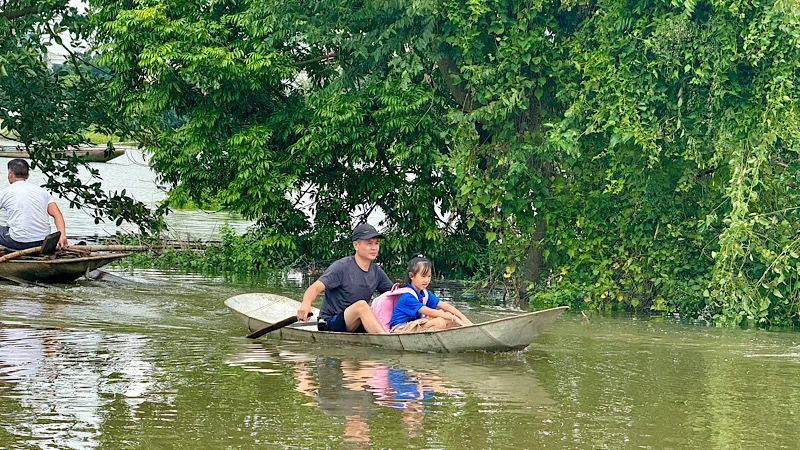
(462, 319)
(446, 315)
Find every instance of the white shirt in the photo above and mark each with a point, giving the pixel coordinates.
(26, 204)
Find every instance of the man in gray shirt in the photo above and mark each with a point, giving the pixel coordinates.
(348, 285)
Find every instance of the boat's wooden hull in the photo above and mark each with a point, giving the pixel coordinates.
(59, 270)
(88, 154)
(511, 333)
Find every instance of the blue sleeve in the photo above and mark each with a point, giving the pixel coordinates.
(433, 300)
(405, 310)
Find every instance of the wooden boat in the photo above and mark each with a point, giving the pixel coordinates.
(259, 310)
(94, 153)
(61, 269)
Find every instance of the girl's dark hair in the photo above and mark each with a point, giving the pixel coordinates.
(419, 265)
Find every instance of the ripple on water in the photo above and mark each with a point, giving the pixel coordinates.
(57, 386)
(163, 363)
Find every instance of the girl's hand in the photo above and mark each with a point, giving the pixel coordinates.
(456, 320)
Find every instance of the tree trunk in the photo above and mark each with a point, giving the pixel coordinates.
(534, 259)
(532, 266)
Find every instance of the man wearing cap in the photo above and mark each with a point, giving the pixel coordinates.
(349, 284)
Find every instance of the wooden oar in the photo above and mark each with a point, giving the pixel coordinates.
(19, 253)
(102, 275)
(275, 326)
(50, 243)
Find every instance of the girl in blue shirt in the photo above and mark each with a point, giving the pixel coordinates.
(410, 314)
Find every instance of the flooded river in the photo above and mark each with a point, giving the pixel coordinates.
(161, 363)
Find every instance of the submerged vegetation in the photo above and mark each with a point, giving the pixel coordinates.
(241, 257)
(637, 155)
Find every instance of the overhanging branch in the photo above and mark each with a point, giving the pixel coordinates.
(17, 13)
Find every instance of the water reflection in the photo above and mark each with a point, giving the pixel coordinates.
(350, 388)
(161, 363)
(61, 387)
(355, 387)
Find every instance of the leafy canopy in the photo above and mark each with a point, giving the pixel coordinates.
(50, 107)
(637, 154)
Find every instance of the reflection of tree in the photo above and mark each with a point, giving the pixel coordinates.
(49, 392)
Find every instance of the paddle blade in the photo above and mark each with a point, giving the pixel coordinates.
(50, 242)
(274, 326)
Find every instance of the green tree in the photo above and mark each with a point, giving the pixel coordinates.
(617, 154)
(631, 153)
(285, 109)
(693, 118)
(49, 108)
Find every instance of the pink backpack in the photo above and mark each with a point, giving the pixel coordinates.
(383, 305)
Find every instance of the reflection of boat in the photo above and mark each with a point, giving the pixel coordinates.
(59, 269)
(500, 377)
(509, 333)
(87, 153)
(494, 377)
(364, 388)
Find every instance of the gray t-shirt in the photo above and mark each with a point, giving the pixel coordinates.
(345, 283)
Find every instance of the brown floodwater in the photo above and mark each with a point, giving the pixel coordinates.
(161, 363)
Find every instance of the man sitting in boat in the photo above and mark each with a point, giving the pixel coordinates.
(28, 207)
(349, 284)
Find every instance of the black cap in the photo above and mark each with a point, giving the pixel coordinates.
(365, 231)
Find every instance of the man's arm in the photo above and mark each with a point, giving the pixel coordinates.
(58, 218)
(309, 296)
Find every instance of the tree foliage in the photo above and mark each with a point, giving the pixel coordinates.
(694, 124)
(280, 107)
(50, 107)
(636, 154)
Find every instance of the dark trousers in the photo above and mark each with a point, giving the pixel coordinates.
(6, 241)
(336, 323)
